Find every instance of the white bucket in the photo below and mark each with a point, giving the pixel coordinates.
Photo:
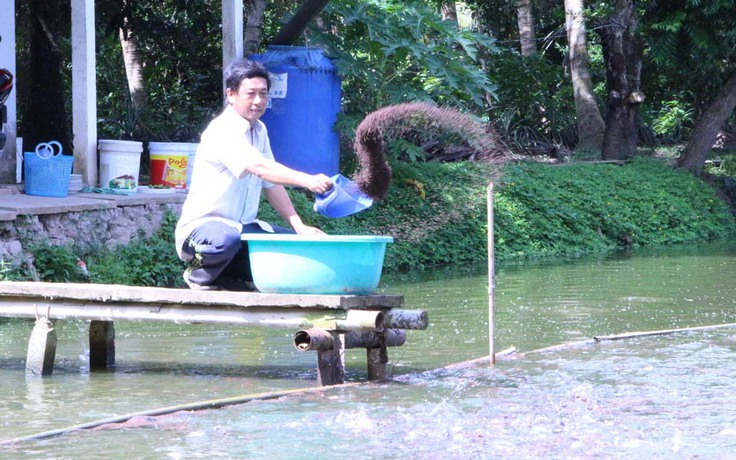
(171, 163)
(120, 163)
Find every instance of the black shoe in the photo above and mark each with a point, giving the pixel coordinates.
(228, 283)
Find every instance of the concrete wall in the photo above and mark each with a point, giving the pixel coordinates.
(86, 229)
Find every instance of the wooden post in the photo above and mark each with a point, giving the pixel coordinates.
(101, 345)
(331, 363)
(378, 357)
(376, 363)
(41, 348)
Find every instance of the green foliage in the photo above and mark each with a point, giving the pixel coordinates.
(390, 52)
(689, 53)
(56, 264)
(402, 149)
(536, 103)
(10, 273)
(729, 166)
(182, 71)
(725, 166)
(673, 120)
(143, 262)
(545, 211)
(437, 212)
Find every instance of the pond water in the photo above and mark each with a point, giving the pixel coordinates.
(560, 394)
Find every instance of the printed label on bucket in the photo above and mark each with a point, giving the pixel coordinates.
(125, 182)
(169, 170)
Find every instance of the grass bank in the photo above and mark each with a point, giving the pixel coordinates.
(437, 214)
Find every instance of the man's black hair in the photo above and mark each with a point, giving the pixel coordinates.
(246, 68)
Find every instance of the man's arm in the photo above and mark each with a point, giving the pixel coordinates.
(276, 173)
(279, 199)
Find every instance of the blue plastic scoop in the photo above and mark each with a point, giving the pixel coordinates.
(344, 199)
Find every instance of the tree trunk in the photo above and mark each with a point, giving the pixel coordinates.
(525, 20)
(46, 117)
(449, 11)
(705, 133)
(133, 61)
(622, 53)
(253, 25)
(589, 120)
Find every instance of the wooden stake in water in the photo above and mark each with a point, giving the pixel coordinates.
(41, 348)
(491, 278)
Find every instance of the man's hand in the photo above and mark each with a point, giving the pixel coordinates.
(319, 183)
(307, 230)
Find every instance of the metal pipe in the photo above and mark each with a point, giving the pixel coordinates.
(406, 319)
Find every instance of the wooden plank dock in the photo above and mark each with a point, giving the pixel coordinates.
(327, 324)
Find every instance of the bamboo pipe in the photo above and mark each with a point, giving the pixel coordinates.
(313, 340)
(321, 339)
(491, 279)
(361, 320)
(406, 319)
(276, 317)
(365, 339)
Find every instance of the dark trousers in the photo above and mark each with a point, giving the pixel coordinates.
(217, 250)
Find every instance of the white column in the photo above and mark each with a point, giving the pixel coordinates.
(84, 90)
(7, 61)
(232, 33)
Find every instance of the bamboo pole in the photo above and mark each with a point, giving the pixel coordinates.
(491, 279)
(275, 317)
(319, 339)
(631, 335)
(406, 319)
(121, 294)
(361, 320)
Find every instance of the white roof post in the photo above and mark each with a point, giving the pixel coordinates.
(232, 33)
(84, 90)
(7, 61)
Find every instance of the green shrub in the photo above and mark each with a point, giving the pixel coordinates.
(143, 262)
(543, 210)
(391, 52)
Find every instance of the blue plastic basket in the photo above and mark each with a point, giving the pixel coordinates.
(47, 176)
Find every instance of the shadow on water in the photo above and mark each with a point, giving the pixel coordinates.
(665, 396)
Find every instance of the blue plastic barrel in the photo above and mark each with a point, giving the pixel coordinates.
(303, 106)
